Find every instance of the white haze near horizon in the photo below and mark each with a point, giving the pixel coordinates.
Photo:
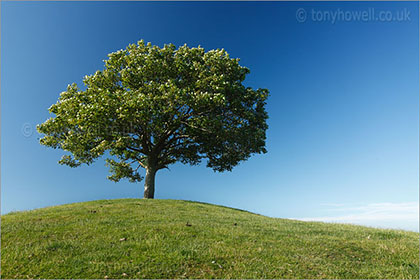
(403, 216)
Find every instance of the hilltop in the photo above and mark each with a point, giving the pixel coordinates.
(136, 238)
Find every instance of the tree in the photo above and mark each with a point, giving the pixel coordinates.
(151, 107)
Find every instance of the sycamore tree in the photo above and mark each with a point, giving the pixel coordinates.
(151, 107)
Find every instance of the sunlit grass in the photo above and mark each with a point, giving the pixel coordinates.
(133, 238)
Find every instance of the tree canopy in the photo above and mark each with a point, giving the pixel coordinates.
(151, 107)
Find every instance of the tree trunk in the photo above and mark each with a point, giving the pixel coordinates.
(149, 183)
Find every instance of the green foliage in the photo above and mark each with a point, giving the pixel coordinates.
(152, 107)
(169, 239)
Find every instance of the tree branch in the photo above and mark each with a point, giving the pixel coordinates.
(136, 149)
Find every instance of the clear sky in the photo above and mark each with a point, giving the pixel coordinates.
(343, 138)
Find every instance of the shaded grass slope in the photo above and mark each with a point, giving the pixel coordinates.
(135, 238)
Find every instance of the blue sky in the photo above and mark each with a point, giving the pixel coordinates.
(343, 138)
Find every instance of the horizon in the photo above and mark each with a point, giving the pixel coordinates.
(343, 136)
(332, 220)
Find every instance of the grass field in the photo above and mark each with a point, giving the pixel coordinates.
(136, 238)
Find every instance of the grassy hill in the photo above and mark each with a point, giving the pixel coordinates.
(133, 238)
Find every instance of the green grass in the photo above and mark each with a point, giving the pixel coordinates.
(133, 238)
